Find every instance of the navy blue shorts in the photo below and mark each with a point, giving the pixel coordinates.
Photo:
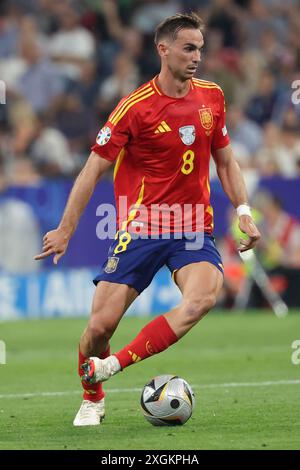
(136, 261)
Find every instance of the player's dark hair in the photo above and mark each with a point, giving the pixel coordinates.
(172, 25)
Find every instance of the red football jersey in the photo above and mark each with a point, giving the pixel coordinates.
(163, 147)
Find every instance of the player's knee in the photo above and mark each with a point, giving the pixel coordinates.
(195, 309)
(99, 331)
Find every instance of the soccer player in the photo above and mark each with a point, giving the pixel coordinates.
(161, 137)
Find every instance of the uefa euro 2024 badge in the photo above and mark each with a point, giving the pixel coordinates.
(103, 136)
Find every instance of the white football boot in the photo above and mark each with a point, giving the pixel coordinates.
(99, 370)
(90, 413)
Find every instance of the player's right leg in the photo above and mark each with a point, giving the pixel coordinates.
(134, 264)
(110, 302)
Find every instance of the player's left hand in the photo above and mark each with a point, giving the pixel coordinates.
(55, 243)
(248, 227)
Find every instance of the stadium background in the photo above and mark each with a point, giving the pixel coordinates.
(65, 65)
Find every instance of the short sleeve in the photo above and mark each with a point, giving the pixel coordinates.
(220, 137)
(114, 135)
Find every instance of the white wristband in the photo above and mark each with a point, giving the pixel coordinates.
(243, 209)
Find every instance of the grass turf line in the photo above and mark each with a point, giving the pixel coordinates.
(223, 348)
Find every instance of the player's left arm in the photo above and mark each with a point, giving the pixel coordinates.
(234, 186)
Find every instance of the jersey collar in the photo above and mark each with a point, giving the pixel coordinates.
(160, 92)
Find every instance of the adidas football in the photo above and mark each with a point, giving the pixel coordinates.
(167, 400)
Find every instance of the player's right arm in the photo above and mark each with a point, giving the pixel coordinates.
(56, 242)
(113, 137)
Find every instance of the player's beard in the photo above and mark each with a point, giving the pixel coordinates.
(179, 75)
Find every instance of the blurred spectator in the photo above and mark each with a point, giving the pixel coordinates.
(278, 250)
(18, 224)
(22, 172)
(243, 131)
(150, 13)
(11, 69)
(280, 242)
(259, 19)
(123, 81)
(142, 54)
(247, 166)
(280, 152)
(271, 49)
(10, 17)
(29, 29)
(23, 121)
(268, 157)
(50, 151)
(87, 85)
(261, 105)
(77, 124)
(41, 81)
(72, 43)
(3, 180)
(221, 64)
(223, 18)
(15, 65)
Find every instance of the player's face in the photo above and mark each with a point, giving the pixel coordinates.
(183, 55)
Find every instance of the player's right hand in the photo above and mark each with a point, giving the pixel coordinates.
(247, 226)
(54, 243)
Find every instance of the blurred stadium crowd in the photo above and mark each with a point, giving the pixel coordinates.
(66, 64)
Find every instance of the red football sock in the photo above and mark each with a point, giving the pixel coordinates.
(92, 392)
(152, 339)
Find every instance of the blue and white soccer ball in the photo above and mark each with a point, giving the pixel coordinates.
(167, 400)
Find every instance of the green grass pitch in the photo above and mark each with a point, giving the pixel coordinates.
(247, 389)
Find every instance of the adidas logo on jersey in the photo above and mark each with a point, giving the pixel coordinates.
(163, 127)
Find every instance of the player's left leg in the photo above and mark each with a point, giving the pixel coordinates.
(200, 284)
(110, 302)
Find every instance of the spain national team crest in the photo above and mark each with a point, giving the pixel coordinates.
(111, 264)
(207, 119)
(103, 136)
(187, 134)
